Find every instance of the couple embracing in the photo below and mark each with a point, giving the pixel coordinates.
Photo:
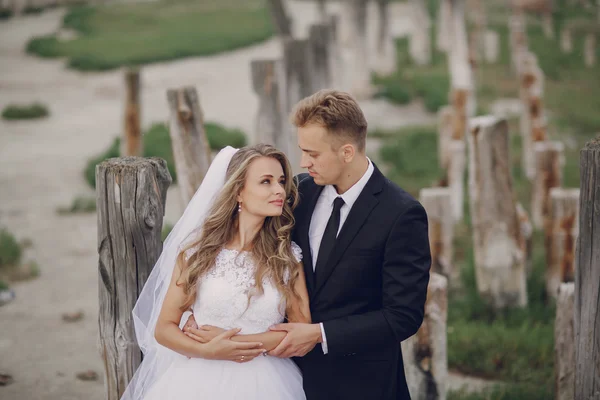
(299, 287)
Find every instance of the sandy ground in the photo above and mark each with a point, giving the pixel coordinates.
(41, 164)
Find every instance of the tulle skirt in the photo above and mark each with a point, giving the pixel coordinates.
(262, 378)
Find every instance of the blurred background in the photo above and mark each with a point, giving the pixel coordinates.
(84, 81)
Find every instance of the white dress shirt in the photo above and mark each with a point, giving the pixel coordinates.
(321, 214)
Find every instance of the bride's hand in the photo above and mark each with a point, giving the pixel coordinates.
(223, 348)
(204, 334)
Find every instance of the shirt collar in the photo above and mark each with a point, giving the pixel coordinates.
(351, 195)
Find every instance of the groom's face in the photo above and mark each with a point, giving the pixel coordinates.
(324, 163)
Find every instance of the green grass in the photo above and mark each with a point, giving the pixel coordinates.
(412, 82)
(157, 143)
(505, 392)
(141, 33)
(80, 204)
(10, 250)
(31, 111)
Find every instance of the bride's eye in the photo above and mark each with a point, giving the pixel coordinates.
(265, 181)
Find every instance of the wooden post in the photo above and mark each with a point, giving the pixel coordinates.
(438, 204)
(280, 17)
(444, 33)
(491, 46)
(132, 144)
(564, 343)
(479, 18)
(547, 24)
(587, 277)
(298, 81)
(561, 238)
(527, 235)
(533, 120)
(322, 9)
(420, 39)
(131, 194)
(462, 96)
(320, 45)
(589, 49)
(354, 48)
(385, 50)
(518, 37)
(268, 82)
(445, 133)
(549, 161)
(456, 174)
(566, 40)
(191, 149)
(497, 239)
(425, 353)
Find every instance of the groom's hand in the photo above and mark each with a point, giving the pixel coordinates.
(300, 339)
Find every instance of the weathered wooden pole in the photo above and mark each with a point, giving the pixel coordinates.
(527, 234)
(132, 144)
(280, 17)
(548, 160)
(131, 194)
(517, 24)
(438, 204)
(497, 239)
(444, 34)
(354, 48)
(566, 40)
(587, 277)
(385, 61)
(564, 343)
(589, 49)
(320, 45)
(561, 238)
(445, 133)
(297, 61)
(191, 149)
(425, 353)
(491, 46)
(268, 83)
(420, 40)
(533, 120)
(462, 89)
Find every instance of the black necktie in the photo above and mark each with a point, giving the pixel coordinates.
(330, 234)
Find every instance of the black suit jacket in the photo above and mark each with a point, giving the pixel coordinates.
(371, 295)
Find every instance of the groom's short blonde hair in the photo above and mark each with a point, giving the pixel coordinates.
(336, 111)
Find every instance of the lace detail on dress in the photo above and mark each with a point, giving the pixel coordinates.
(297, 251)
(223, 294)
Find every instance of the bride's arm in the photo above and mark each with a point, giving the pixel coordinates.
(168, 334)
(298, 310)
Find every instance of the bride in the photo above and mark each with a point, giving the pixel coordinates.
(229, 260)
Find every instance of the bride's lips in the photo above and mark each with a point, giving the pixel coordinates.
(277, 202)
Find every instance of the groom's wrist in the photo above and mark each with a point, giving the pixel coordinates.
(318, 332)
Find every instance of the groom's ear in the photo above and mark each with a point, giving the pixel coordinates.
(348, 152)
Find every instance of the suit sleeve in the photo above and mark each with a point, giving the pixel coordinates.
(406, 265)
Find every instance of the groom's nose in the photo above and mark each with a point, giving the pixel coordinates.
(304, 161)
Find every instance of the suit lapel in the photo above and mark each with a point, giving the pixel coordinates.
(358, 215)
(303, 227)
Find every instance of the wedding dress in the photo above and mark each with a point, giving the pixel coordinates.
(222, 300)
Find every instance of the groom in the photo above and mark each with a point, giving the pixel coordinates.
(366, 260)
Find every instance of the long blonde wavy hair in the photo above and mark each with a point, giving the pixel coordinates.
(271, 247)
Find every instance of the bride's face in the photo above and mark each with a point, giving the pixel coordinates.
(264, 190)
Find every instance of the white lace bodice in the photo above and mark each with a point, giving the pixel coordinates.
(222, 295)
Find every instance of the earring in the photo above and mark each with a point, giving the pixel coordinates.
(239, 207)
